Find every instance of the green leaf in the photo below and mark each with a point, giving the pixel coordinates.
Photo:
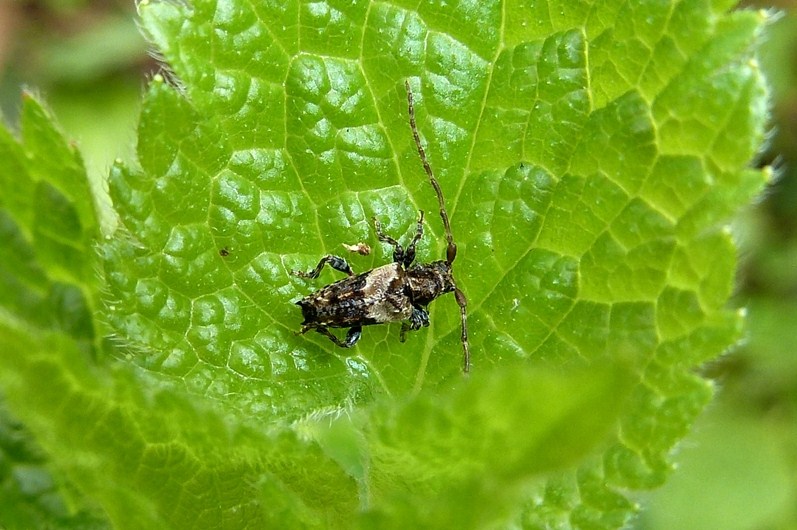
(590, 157)
(151, 458)
(473, 444)
(30, 495)
(48, 283)
(48, 228)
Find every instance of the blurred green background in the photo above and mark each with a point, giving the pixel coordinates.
(738, 469)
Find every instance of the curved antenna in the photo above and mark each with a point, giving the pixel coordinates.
(451, 251)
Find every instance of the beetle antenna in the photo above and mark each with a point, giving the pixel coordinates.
(451, 251)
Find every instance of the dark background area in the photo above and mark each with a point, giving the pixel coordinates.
(738, 470)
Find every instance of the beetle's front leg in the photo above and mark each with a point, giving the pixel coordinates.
(409, 253)
(418, 319)
(398, 250)
(336, 262)
(400, 254)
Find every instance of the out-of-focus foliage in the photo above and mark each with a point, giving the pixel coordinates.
(739, 469)
(88, 60)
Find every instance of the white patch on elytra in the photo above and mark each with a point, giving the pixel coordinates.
(384, 286)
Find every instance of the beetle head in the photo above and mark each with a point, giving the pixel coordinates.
(430, 280)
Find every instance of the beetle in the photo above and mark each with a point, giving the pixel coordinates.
(397, 292)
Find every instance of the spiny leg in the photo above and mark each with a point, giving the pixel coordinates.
(336, 262)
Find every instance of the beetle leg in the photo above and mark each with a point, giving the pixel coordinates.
(400, 254)
(351, 337)
(409, 254)
(418, 319)
(398, 250)
(336, 262)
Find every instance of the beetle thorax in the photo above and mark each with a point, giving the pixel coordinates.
(430, 280)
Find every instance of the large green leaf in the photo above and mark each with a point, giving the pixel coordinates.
(590, 156)
(48, 282)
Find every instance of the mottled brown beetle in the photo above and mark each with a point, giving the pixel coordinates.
(399, 291)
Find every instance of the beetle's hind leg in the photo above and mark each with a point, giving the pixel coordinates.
(336, 262)
(400, 254)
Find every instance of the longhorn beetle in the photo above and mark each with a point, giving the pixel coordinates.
(399, 291)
